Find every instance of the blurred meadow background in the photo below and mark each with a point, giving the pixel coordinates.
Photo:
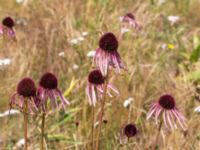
(61, 35)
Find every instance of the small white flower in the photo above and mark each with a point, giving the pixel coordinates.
(164, 46)
(9, 112)
(19, 1)
(84, 33)
(4, 62)
(21, 142)
(160, 2)
(75, 66)
(74, 41)
(21, 22)
(96, 124)
(124, 30)
(173, 19)
(127, 102)
(197, 109)
(91, 53)
(7, 61)
(80, 38)
(61, 54)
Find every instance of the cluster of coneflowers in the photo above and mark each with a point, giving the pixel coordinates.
(107, 57)
(31, 99)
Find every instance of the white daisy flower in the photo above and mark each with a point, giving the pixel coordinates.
(61, 54)
(197, 109)
(173, 19)
(4, 62)
(75, 66)
(19, 1)
(9, 112)
(91, 53)
(80, 38)
(74, 41)
(84, 33)
(127, 102)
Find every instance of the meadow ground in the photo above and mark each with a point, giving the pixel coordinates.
(161, 57)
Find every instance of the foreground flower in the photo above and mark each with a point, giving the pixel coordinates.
(106, 55)
(165, 108)
(48, 89)
(26, 91)
(7, 27)
(127, 132)
(129, 21)
(96, 88)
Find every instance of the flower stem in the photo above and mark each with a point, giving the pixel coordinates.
(25, 124)
(101, 113)
(93, 113)
(42, 130)
(158, 134)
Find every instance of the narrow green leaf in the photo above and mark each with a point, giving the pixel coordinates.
(195, 54)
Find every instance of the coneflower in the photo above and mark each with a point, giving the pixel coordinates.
(166, 108)
(130, 21)
(48, 89)
(8, 27)
(106, 55)
(26, 93)
(25, 99)
(95, 88)
(127, 131)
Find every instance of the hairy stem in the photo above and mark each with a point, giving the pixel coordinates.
(25, 124)
(42, 131)
(158, 134)
(102, 112)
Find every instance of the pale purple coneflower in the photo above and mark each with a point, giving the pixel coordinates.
(48, 89)
(127, 131)
(129, 21)
(26, 91)
(166, 108)
(8, 27)
(96, 88)
(106, 55)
